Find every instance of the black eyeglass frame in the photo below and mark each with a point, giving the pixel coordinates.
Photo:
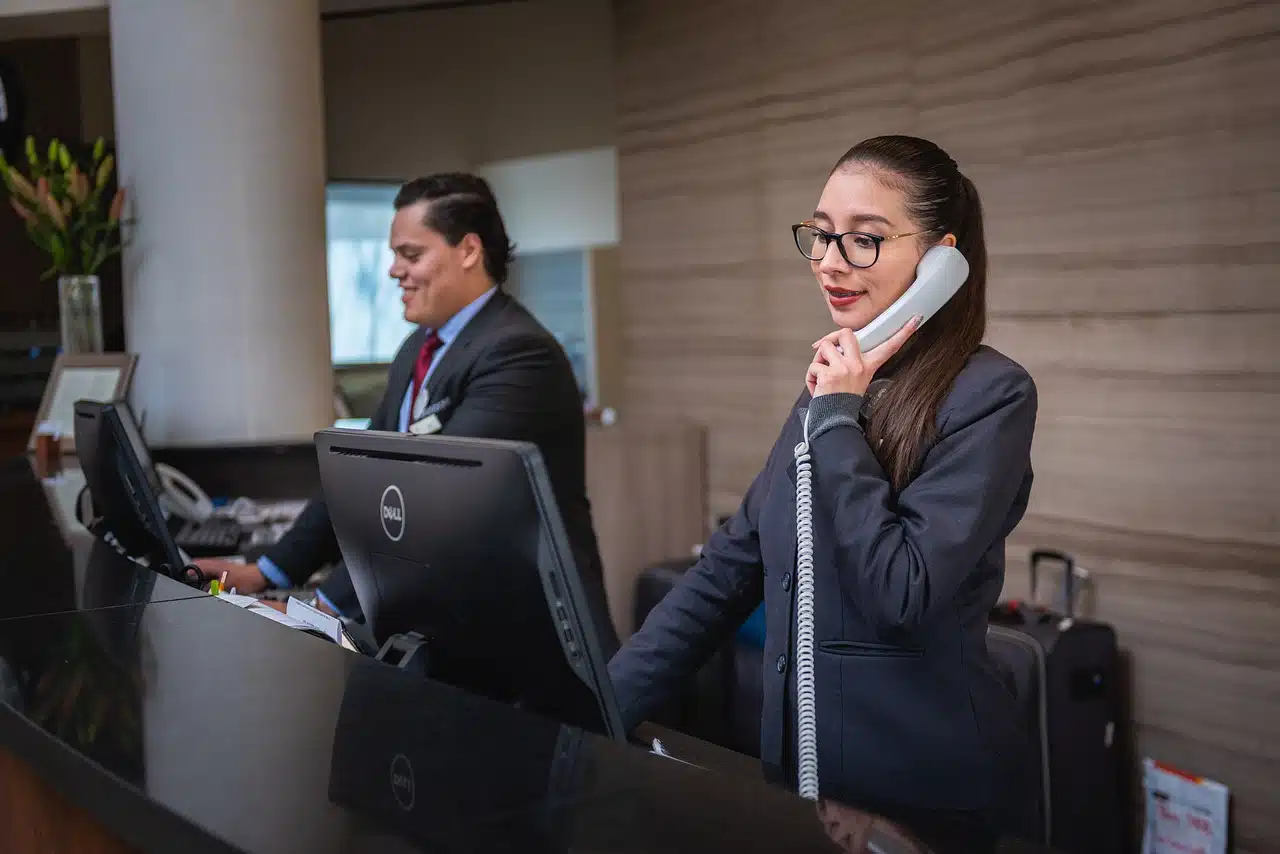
(877, 239)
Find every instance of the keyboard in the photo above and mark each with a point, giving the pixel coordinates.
(214, 537)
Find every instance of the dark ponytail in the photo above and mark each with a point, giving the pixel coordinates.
(903, 422)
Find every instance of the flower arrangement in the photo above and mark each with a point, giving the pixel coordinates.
(63, 207)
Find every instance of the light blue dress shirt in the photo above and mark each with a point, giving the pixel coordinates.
(448, 333)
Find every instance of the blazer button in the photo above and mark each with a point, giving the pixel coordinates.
(786, 582)
(782, 664)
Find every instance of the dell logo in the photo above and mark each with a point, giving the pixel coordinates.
(392, 513)
(402, 781)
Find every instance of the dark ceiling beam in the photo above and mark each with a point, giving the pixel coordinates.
(404, 8)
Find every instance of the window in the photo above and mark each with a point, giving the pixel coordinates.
(366, 324)
(553, 286)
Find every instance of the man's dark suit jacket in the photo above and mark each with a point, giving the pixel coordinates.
(912, 713)
(505, 377)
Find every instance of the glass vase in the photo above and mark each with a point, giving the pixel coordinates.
(80, 313)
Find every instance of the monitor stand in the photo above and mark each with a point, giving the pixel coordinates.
(407, 651)
(155, 560)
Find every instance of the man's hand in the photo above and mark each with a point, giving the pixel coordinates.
(246, 578)
(839, 366)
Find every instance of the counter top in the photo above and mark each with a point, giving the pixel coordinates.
(183, 723)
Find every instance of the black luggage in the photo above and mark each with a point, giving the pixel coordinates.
(1067, 676)
(699, 710)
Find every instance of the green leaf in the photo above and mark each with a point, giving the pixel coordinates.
(98, 148)
(104, 253)
(104, 171)
(58, 249)
(31, 151)
(40, 237)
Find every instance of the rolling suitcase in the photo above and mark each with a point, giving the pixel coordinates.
(1066, 674)
(699, 710)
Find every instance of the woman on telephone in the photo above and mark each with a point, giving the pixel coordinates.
(911, 462)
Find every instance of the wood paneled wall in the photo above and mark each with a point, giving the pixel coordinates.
(1127, 157)
(647, 483)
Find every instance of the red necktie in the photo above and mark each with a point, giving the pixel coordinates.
(420, 367)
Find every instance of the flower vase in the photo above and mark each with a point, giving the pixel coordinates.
(80, 313)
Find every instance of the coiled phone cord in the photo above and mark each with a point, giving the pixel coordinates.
(806, 701)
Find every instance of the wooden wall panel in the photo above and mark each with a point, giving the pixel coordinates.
(647, 483)
(1126, 154)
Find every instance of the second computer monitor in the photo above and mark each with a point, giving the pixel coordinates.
(461, 541)
(123, 485)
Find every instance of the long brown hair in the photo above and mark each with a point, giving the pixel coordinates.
(903, 421)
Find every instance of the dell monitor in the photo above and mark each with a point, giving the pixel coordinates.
(458, 544)
(125, 489)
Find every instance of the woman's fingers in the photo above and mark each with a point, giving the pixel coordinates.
(833, 337)
(829, 353)
(849, 344)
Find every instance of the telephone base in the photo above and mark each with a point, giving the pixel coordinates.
(407, 651)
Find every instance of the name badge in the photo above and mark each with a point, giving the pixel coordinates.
(426, 426)
(421, 409)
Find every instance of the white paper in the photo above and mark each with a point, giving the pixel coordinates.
(293, 618)
(317, 619)
(1185, 814)
(98, 384)
(63, 492)
(239, 600)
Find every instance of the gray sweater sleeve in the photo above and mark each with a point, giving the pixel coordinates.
(832, 410)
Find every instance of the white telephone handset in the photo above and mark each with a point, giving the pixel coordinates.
(181, 494)
(939, 275)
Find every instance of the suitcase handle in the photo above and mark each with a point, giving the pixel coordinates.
(1038, 556)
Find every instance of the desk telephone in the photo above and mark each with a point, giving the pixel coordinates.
(181, 496)
(940, 273)
(195, 528)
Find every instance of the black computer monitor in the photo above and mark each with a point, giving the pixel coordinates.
(460, 541)
(124, 488)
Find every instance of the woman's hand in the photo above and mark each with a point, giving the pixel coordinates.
(839, 366)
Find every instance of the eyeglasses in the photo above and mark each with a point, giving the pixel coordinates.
(859, 248)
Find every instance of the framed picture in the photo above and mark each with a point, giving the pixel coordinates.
(81, 376)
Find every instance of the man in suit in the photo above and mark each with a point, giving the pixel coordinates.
(478, 365)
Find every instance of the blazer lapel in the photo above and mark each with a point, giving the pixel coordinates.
(455, 358)
(400, 376)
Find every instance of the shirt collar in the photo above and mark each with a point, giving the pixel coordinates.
(458, 322)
